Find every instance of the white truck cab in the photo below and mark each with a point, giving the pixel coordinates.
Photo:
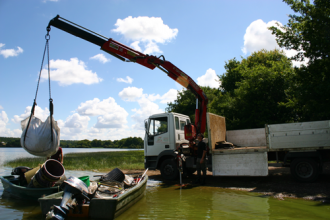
(164, 133)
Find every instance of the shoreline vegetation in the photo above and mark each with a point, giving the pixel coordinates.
(126, 143)
(94, 161)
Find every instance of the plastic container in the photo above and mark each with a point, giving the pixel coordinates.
(85, 179)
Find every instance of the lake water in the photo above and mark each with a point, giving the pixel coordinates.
(163, 201)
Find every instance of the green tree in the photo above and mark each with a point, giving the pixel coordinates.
(254, 89)
(308, 31)
(84, 144)
(231, 77)
(96, 143)
(14, 143)
(107, 144)
(186, 102)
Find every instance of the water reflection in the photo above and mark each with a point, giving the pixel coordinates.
(13, 208)
(173, 202)
(240, 205)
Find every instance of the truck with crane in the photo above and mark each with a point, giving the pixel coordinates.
(168, 136)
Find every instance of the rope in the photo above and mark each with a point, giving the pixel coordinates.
(50, 95)
(51, 107)
(47, 37)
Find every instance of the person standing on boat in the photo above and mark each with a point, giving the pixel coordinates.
(201, 159)
(58, 155)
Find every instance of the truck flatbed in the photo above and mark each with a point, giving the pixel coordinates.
(240, 150)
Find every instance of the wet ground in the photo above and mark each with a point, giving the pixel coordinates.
(278, 184)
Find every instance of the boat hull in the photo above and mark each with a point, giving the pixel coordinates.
(100, 208)
(10, 185)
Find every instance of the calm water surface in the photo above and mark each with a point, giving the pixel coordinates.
(172, 202)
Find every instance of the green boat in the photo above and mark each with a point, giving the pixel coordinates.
(11, 185)
(99, 208)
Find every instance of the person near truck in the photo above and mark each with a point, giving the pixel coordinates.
(201, 159)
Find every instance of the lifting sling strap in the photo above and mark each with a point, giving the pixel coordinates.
(51, 108)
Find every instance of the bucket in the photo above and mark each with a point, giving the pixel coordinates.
(48, 174)
(85, 179)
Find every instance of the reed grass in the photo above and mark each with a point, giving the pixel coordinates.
(95, 161)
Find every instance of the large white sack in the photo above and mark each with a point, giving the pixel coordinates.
(38, 138)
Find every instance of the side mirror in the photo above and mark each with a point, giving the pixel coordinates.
(146, 125)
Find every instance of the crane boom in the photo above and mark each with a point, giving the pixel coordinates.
(128, 54)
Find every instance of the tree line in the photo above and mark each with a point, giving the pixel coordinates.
(130, 143)
(10, 142)
(265, 88)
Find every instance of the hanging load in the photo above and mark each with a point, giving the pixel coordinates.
(38, 136)
(41, 138)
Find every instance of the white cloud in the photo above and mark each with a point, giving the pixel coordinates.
(73, 126)
(76, 121)
(170, 96)
(210, 79)
(4, 131)
(112, 120)
(146, 30)
(153, 97)
(131, 93)
(38, 112)
(100, 57)
(111, 115)
(151, 48)
(1, 107)
(68, 72)
(146, 103)
(258, 37)
(135, 46)
(112, 133)
(10, 52)
(128, 80)
(3, 119)
(147, 108)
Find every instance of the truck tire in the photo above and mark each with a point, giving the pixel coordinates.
(305, 170)
(169, 169)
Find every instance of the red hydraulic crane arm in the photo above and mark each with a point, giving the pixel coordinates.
(171, 70)
(128, 54)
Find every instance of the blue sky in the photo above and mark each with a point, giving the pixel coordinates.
(97, 96)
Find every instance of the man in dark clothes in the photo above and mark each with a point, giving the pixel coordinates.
(201, 159)
(58, 155)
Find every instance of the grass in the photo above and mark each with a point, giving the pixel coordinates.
(95, 161)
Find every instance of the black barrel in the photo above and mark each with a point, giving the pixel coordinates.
(48, 174)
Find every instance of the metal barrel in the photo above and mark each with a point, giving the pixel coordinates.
(48, 174)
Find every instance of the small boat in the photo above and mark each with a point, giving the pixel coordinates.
(99, 208)
(11, 184)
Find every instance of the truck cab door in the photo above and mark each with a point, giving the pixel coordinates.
(157, 136)
(180, 122)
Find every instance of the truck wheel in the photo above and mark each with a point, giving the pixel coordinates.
(169, 170)
(304, 170)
